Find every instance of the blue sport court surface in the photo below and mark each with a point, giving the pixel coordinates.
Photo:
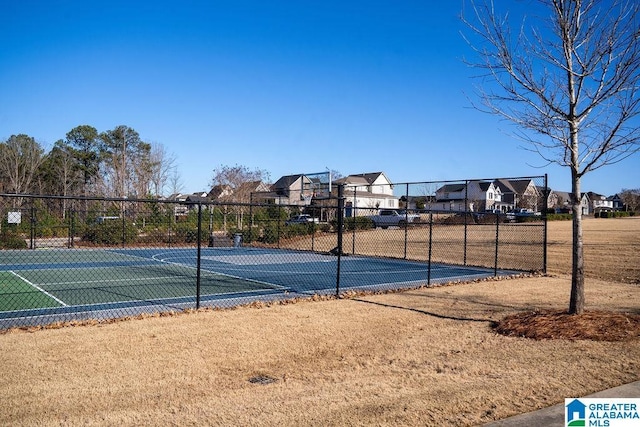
(102, 283)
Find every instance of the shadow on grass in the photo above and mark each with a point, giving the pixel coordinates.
(429, 313)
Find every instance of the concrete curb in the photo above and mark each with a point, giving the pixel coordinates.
(554, 415)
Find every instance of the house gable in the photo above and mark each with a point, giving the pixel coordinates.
(368, 191)
(374, 183)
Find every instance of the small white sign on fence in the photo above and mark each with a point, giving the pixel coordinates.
(14, 217)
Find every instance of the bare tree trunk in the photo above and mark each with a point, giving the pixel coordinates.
(576, 302)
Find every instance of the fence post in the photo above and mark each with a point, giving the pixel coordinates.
(210, 244)
(406, 222)
(430, 248)
(338, 249)
(72, 231)
(466, 209)
(495, 265)
(544, 213)
(124, 226)
(199, 243)
(32, 228)
(278, 225)
(354, 215)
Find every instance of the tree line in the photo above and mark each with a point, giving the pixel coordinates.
(112, 163)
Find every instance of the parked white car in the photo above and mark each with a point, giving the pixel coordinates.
(393, 218)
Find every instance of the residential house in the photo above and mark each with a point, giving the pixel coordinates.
(367, 192)
(179, 209)
(191, 201)
(200, 197)
(599, 203)
(559, 201)
(450, 197)
(247, 191)
(500, 194)
(521, 194)
(220, 192)
(468, 196)
(585, 203)
(177, 197)
(616, 202)
(290, 190)
(187, 203)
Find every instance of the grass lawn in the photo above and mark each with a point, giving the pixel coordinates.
(421, 357)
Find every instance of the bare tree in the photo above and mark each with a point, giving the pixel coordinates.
(20, 157)
(631, 198)
(175, 181)
(162, 165)
(239, 182)
(235, 178)
(569, 78)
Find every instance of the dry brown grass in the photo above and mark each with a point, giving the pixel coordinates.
(421, 357)
(611, 246)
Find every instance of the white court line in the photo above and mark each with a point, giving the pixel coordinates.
(266, 259)
(246, 279)
(58, 300)
(124, 279)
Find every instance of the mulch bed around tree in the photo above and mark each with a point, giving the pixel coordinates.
(590, 325)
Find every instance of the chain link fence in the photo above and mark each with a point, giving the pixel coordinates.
(69, 258)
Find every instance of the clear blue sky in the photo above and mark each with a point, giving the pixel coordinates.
(286, 86)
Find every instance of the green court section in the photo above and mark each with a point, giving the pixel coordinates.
(57, 256)
(100, 285)
(18, 294)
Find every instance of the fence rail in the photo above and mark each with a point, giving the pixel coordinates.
(70, 258)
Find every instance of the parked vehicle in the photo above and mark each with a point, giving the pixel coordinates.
(515, 213)
(489, 215)
(391, 217)
(301, 219)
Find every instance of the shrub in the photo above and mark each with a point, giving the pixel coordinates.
(531, 218)
(9, 240)
(110, 233)
(154, 235)
(559, 217)
(611, 214)
(324, 227)
(358, 223)
(294, 230)
(187, 232)
(354, 223)
(270, 233)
